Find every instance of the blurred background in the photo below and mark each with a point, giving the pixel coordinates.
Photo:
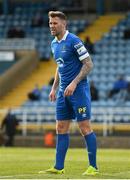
(27, 69)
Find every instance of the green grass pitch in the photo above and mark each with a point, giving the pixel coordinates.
(24, 163)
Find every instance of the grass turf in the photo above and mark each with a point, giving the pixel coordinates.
(24, 163)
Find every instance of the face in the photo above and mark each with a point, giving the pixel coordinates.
(57, 26)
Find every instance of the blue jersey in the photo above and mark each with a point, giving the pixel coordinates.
(68, 53)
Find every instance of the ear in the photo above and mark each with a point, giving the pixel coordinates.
(65, 23)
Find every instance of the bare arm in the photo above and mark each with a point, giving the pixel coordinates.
(52, 95)
(56, 80)
(86, 68)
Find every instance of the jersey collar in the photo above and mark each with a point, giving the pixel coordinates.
(64, 37)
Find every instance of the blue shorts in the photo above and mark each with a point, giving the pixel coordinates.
(77, 106)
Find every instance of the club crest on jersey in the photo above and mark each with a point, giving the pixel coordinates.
(60, 62)
(63, 49)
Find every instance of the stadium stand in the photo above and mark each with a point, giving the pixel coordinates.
(4, 66)
(102, 25)
(107, 56)
(111, 58)
(22, 16)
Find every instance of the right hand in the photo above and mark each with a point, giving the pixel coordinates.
(52, 95)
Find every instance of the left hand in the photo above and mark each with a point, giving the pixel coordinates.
(70, 89)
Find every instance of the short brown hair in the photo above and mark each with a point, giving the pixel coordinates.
(58, 14)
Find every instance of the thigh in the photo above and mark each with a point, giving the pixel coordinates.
(82, 104)
(64, 110)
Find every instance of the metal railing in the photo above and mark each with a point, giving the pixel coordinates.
(42, 117)
(17, 44)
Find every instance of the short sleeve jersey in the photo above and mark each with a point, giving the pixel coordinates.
(68, 53)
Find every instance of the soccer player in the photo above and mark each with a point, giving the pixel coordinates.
(73, 99)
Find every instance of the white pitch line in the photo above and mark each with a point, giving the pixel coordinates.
(122, 172)
(18, 175)
(6, 176)
(114, 174)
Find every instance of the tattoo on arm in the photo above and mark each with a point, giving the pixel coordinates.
(86, 68)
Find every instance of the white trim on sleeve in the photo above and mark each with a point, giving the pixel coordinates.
(83, 56)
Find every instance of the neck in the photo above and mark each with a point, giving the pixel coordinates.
(60, 36)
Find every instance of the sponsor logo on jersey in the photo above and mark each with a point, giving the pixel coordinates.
(60, 62)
